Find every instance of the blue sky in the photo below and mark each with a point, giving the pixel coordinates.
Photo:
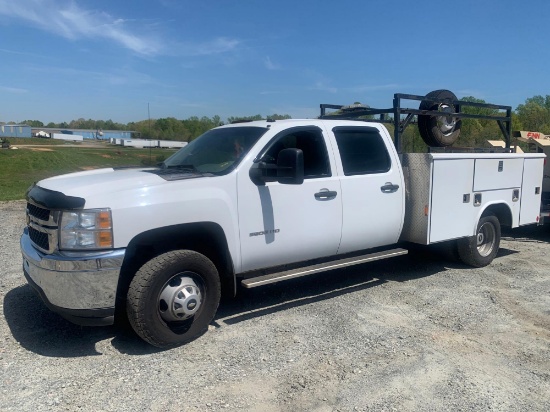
(106, 59)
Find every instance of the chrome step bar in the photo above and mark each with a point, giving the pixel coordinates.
(323, 267)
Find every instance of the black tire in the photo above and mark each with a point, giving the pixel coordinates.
(439, 131)
(173, 298)
(481, 249)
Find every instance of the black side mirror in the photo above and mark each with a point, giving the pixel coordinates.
(288, 170)
(290, 167)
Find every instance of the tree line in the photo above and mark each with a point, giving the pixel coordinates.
(533, 115)
(168, 128)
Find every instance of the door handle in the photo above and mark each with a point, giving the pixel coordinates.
(325, 194)
(389, 187)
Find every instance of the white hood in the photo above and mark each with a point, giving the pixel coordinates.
(102, 182)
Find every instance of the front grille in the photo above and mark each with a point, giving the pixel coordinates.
(42, 224)
(38, 212)
(40, 239)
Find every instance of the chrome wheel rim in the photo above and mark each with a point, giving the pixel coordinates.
(180, 298)
(446, 124)
(486, 239)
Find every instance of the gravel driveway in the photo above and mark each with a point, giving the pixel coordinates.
(413, 333)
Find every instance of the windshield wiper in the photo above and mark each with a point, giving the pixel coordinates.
(188, 167)
(177, 172)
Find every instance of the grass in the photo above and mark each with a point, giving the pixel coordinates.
(19, 169)
(15, 141)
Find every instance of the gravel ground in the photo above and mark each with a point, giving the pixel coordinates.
(414, 333)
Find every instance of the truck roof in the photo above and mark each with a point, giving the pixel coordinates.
(289, 122)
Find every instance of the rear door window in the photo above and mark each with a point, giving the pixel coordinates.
(362, 150)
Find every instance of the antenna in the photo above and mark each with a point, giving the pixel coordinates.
(149, 117)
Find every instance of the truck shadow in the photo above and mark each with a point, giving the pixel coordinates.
(528, 234)
(253, 303)
(45, 333)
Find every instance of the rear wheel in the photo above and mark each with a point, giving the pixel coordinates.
(439, 131)
(173, 298)
(481, 249)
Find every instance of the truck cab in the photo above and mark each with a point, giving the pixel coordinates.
(226, 196)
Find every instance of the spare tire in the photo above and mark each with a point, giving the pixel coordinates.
(439, 131)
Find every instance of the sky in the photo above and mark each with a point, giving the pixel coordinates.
(126, 60)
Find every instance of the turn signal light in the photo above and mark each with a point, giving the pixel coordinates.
(104, 239)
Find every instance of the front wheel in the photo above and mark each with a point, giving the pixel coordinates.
(481, 249)
(173, 298)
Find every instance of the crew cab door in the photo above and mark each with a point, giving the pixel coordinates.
(285, 223)
(373, 189)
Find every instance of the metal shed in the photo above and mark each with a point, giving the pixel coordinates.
(15, 130)
(87, 133)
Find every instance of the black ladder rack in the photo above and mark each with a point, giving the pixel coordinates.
(504, 121)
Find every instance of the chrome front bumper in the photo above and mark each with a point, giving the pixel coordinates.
(81, 288)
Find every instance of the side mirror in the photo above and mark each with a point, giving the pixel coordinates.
(288, 170)
(290, 167)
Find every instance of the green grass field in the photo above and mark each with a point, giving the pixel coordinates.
(16, 141)
(20, 168)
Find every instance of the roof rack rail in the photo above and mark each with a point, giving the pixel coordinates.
(401, 116)
(241, 121)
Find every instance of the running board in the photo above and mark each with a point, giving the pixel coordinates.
(310, 270)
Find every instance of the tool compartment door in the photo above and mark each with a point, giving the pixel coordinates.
(532, 189)
(496, 174)
(451, 210)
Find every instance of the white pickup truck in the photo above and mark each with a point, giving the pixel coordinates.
(259, 202)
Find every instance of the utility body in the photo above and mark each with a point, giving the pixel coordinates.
(539, 143)
(255, 203)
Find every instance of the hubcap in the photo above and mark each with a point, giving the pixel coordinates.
(180, 298)
(446, 123)
(486, 239)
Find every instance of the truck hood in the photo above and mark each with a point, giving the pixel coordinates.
(104, 181)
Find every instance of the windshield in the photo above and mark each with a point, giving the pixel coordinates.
(217, 151)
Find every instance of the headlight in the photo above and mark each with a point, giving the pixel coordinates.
(86, 229)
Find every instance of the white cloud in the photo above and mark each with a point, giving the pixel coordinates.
(322, 86)
(21, 53)
(216, 46)
(116, 77)
(72, 22)
(67, 19)
(320, 81)
(14, 90)
(269, 92)
(270, 65)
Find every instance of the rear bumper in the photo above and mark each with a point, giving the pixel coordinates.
(81, 288)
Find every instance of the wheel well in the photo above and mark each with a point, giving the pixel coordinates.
(206, 238)
(502, 212)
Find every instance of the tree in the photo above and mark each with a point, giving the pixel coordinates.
(476, 132)
(274, 116)
(240, 118)
(534, 115)
(170, 128)
(33, 123)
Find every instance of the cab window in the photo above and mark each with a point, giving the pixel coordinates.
(362, 150)
(312, 144)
